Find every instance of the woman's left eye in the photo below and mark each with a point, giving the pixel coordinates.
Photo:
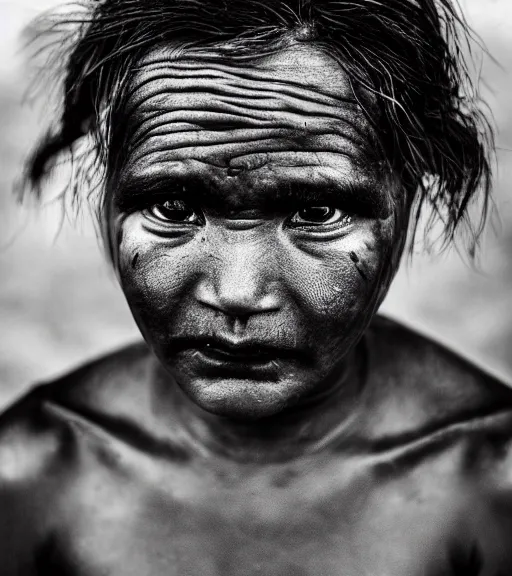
(176, 211)
(320, 216)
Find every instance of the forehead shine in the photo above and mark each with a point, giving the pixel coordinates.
(293, 110)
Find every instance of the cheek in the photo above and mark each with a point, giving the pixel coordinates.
(154, 277)
(343, 281)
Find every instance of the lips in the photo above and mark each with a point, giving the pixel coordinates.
(243, 354)
(235, 351)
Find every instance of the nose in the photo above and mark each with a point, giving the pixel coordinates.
(241, 279)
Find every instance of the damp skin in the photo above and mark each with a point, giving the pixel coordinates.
(251, 206)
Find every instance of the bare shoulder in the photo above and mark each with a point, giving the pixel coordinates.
(32, 431)
(435, 386)
(433, 410)
(461, 414)
(114, 384)
(48, 443)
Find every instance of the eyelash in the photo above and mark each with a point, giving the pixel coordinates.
(183, 208)
(325, 214)
(342, 218)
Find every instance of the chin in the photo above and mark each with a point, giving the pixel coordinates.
(241, 399)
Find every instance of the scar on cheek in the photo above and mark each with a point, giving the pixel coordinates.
(355, 259)
(135, 259)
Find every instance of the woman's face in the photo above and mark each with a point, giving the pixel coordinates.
(254, 231)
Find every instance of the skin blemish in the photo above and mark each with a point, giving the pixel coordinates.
(362, 274)
(354, 257)
(135, 260)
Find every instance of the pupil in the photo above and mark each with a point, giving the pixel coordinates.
(316, 213)
(177, 210)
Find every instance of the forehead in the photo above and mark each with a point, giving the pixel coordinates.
(291, 115)
(299, 65)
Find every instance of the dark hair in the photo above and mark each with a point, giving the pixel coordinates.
(409, 53)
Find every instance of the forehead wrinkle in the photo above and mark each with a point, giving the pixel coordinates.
(168, 71)
(337, 88)
(196, 99)
(163, 105)
(157, 110)
(175, 106)
(226, 153)
(256, 96)
(192, 135)
(340, 162)
(168, 93)
(235, 121)
(159, 135)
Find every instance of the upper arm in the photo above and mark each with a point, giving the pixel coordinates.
(488, 507)
(28, 447)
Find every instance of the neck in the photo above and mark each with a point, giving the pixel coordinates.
(316, 423)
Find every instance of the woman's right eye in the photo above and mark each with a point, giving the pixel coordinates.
(175, 211)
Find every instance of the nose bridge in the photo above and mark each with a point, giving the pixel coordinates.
(247, 265)
(241, 274)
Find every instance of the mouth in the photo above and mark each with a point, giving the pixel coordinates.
(253, 354)
(236, 354)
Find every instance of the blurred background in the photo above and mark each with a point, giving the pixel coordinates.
(59, 302)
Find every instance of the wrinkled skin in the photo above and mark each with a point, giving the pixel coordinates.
(348, 446)
(247, 146)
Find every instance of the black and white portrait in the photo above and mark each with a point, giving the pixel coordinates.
(256, 288)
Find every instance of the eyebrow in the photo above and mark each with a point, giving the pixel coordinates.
(365, 198)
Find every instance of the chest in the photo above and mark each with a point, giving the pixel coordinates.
(328, 522)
